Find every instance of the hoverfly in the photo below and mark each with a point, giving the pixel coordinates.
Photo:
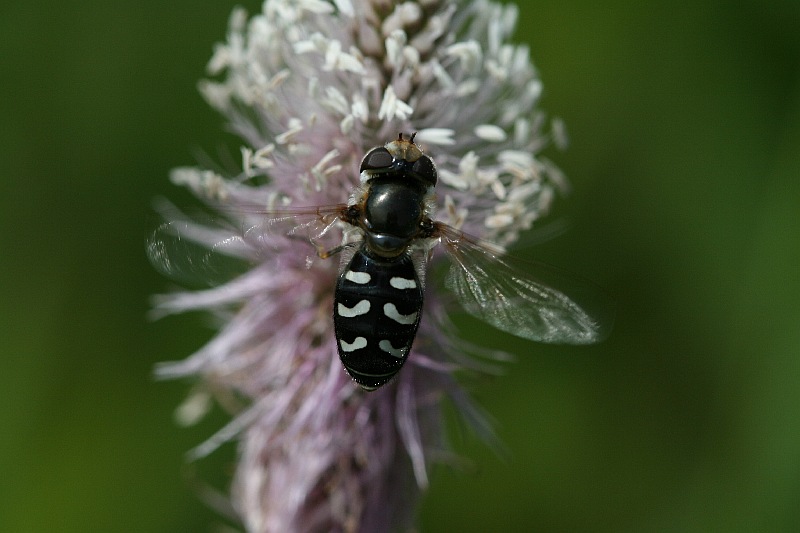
(378, 297)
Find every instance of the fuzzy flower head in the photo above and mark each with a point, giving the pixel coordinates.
(311, 86)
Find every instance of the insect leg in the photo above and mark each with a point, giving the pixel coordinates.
(325, 254)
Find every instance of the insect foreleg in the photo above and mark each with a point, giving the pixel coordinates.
(325, 254)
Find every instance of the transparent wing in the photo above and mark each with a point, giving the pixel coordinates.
(263, 229)
(527, 299)
(210, 249)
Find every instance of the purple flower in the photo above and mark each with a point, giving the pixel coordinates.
(310, 86)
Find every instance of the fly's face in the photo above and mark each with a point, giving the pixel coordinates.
(401, 158)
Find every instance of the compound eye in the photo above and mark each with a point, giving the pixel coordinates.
(425, 170)
(377, 159)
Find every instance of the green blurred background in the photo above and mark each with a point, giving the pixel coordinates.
(685, 157)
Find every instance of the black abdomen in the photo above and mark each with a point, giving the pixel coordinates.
(376, 312)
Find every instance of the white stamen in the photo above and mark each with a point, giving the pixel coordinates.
(499, 221)
(438, 136)
(315, 6)
(404, 15)
(345, 7)
(295, 127)
(392, 106)
(394, 47)
(559, 130)
(490, 132)
(468, 52)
